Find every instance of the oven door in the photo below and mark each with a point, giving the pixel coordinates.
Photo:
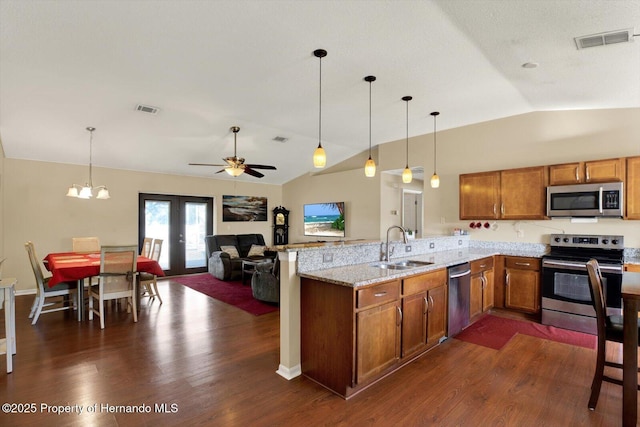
(569, 281)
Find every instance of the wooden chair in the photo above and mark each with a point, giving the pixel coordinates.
(85, 244)
(146, 247)
(149, 282)
(609, 329)
(43, 291)
(117, 280)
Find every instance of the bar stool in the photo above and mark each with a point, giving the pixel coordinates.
(8, 302)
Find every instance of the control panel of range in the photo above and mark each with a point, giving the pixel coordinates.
(587, 241)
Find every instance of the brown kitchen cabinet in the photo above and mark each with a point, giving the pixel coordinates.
(482, 286)
(424, 311)
(608, 170)
(633, 188)
(508, 194)
(522, 284)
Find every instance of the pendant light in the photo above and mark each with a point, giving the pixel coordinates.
(86, 191)
(435, 179)
(370, 165)
(406, 174)
(319, 156)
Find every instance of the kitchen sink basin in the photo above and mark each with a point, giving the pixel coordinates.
(401, 265)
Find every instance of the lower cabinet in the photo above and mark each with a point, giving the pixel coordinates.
(482, 285)
(424, 311)
(522, 284)
(351, 337)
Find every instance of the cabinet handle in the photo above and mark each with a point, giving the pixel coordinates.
(483, 265)
(525, 264)
(502, 208)
(577, 174)
(587, 173)
(506, 279)
(431, 301)
(380, 294)
(494, 209)
(399, 315)
(426, 305)
(483, 280)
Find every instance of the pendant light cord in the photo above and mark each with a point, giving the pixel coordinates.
(370, 118)
(320, 105)
(90, 156)
(407, 133)
(434, 143)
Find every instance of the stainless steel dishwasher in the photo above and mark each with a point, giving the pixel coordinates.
(459, 296)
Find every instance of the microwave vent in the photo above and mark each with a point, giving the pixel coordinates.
(604, 39)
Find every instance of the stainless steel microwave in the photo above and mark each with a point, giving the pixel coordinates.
(586, 200)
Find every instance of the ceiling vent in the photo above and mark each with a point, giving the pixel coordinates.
(147, 109)
(280, 139)
(603, 39)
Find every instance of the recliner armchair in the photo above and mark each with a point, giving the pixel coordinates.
(223, 265)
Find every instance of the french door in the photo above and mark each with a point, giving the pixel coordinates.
(181, 222)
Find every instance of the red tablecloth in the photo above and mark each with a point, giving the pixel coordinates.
(72, 266)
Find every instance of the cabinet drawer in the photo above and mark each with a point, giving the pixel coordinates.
(424, 282)
(378, 294)
(483, 264)
(522, 263)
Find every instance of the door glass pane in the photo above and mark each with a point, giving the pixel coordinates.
(156, 219)
(195, 226)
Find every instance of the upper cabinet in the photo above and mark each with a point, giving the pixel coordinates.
(509, 194)
(609, 170)
(633, 188)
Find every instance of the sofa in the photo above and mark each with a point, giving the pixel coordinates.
(225, 253)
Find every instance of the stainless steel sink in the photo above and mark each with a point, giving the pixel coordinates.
(401, 265)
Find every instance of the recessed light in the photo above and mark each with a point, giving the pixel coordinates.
(530, 65)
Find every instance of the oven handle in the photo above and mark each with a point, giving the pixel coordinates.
(600, 201)
(617, 269)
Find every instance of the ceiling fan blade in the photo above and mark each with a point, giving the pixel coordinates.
(222, 170)
(204, 164)
(251, 172)
(262, 167)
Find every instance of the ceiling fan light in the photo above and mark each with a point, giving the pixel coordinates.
(407, 176)
(319, 157)
(85, 193)
(435, 180)
(234, 171)
(72, 192)
(370, 168)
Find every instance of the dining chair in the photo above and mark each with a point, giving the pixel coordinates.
(146, 247)
(117, 280)
(148, 281)
(43, 291)
(85, 244)
(609, 329)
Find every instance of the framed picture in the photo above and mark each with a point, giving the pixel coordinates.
(244, 208)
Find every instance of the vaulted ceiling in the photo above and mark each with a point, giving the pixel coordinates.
(210, 65)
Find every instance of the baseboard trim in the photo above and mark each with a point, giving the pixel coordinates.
(289, 373)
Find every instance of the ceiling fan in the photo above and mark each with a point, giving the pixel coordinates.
(235, 165)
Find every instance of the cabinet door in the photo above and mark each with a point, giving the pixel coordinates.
(479, 195)
(633, 188)
(566, 174)
(378, 340)
(524, 193)
(604, 170)
(437, 314)
(414, 323)
(487, 290)
(522, 290)
(475, 303)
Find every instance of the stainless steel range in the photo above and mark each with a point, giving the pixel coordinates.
(566, 299)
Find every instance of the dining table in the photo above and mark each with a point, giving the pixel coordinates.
(631, 306)
(78, 266)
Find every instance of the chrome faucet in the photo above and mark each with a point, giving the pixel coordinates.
(404, 237)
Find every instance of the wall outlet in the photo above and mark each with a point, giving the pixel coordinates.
(459, 242)
(327, 257)
(394, 212)
(407, 248)
(432, 245)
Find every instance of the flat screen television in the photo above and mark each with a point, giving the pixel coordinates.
(324, 219)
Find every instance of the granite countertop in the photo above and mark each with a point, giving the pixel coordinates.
(358, 275)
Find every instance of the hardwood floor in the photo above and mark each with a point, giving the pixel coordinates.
(213, 364)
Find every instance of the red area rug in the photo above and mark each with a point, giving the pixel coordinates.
(494, 332)
(233, 293)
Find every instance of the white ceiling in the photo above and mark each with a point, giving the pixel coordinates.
(209, 65)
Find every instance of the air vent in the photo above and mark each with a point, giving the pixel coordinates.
(280, 139)
(147, 109)
(603, 39)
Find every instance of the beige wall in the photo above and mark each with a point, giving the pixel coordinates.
(38, 210)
